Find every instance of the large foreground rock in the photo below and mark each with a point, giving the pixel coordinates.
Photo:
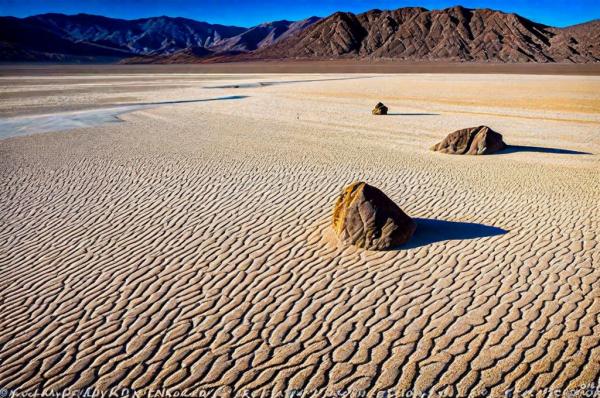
(480, 140)
(380, 109)
(365, 217)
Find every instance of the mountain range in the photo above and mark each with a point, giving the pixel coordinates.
(81, 37)
(410, 33)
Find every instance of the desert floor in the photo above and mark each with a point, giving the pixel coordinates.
(188, 245)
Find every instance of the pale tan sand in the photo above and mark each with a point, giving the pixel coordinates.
(189, 247)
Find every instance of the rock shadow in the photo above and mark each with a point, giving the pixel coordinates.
(431, 231)
(274, 83)
(412, 114)
(539, 149)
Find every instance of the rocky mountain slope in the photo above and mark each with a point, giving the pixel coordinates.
(411, 33)
(455, 33)
(260, 36)
(263, 35)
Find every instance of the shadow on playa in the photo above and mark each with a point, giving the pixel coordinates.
(413, 114)
(274, 83)
(431, 231)
(539, 149)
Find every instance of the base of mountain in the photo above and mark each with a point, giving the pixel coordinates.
(189, 56)
(220, 65)
(299, 66)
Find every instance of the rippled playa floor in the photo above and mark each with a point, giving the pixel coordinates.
(188, 247)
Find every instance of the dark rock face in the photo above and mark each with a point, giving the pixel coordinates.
(380, 109)
(455, 34)
(480, 140)
(365, 217)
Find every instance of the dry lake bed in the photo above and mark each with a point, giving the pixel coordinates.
(172, 232)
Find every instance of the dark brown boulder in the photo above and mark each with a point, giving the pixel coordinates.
(380, 109)
(365, 217)
(480, 140)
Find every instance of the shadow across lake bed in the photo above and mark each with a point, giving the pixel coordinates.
(274, 83)
(539, 149)
(431, 231)
(412, 114)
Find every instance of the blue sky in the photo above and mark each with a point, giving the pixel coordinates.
(252, 12)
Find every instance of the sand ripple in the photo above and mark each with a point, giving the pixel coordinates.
(202, 258)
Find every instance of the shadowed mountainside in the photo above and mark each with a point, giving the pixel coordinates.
(20, 41)
(82, 35)
(140, 36)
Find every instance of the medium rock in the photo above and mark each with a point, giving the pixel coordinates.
(380, 109)
(365, 217)
(480, 140)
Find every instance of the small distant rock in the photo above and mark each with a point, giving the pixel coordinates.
(480, 140)
(365, 217)
(380, 109)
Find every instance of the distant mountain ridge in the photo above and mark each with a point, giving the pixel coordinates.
(139, 36)
(410, 33)
(84, 36)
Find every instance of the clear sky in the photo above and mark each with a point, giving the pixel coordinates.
(253, 12)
